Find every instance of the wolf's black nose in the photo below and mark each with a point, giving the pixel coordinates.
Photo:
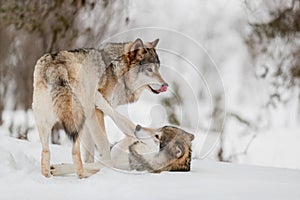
(138, 128)
(165, 84)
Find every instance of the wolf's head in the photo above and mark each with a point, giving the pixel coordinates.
(143, 64)
(177, 143)
(173, 142)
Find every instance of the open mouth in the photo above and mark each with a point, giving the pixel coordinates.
(163, 88)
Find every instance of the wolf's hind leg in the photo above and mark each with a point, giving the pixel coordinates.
(77, 159)
(44, 134)
(79, 168)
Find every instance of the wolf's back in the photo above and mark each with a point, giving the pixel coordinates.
(67, 106)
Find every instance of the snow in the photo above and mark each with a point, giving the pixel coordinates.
(20, 178)
(282, 150)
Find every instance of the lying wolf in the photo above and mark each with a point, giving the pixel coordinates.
(68, 83)
(174, 152)
(164, 149)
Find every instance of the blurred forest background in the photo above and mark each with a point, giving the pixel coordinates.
(254, 43)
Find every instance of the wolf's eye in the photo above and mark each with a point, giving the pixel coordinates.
(156, 136)
(149, 70)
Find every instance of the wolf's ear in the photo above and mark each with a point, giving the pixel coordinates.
(137, 51)
(178, 152)
(191, 136)
(154, 43)
(137, 44)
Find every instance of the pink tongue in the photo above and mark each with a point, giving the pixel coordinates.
(163, 89)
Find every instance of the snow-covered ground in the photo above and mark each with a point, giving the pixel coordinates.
(20, 178)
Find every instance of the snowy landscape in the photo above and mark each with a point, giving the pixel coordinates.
(21, 179)
(233, 73)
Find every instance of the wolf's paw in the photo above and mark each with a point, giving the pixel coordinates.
(62, 169)
(46, 173)
(91, 171)
(53, 170)
(137, 143)
(85, 174)
(133, 148)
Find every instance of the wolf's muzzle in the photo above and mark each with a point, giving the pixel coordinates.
(164, 88)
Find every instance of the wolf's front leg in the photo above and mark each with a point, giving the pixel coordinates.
(88, 143)
(88, 146)
(99, 137)
(124, 124)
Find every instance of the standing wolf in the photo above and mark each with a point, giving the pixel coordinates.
(67, 85)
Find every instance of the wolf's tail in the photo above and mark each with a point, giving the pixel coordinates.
(67, 106)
